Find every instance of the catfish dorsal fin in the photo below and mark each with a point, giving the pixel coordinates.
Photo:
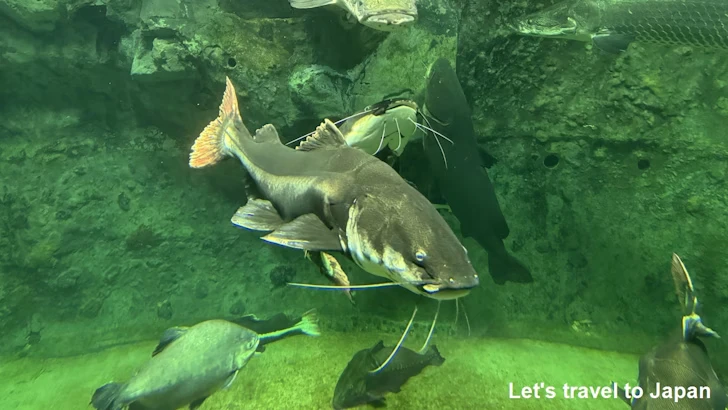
(267, 133)
(326, 135)
(169, 336)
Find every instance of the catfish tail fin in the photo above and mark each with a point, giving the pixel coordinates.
(505, 268)
(106, 397)
(213, 143)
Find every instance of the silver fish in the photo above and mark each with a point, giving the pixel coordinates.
(189, 365)
(613, 24)
(384, 15)
(327, 196)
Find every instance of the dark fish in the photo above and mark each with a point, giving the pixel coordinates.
(680, 362)
(461, 176)
(613, 24)
(327, 196)
(358, 386)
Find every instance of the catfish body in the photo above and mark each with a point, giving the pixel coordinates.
(358, 386)
(327, 196)
(461, 175)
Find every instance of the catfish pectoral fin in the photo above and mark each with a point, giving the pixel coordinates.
(306, 232)
(257, 215)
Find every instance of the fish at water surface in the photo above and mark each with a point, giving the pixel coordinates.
(384, 15)
(357, 385)
(327, 196)
(613, 24)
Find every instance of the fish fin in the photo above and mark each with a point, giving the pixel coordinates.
(169, 336)
(257, 215)
(437, 358)
(444, 207)
(612, 43)
(692, 327)
(229, 381)
(622, 395)
(309, 323)
(106, 396)
(209, 148)
(306, 232)
(683, 285)
(377, 401)
(197, 403)
(267, 133)
(326, 135)
(310, 4)
(486, 158)
(505, 268)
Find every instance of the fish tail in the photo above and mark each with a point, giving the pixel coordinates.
(213, 143)
(505, 268)
(309, 323)
(436, 357)
(106, 397)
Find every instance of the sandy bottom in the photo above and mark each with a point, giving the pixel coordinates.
(301, 372)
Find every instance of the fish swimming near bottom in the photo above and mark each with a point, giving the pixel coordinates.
(682, 361)
(461, 175)
(188, 365)
(280, 326)
(357, 385)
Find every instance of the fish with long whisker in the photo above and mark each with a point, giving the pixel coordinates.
(325, 196)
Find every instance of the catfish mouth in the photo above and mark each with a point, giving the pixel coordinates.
(442, 290)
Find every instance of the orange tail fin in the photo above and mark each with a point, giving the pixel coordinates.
(210, 146)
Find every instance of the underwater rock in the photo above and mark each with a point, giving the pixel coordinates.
(237, 308)
(281, 275)
(320, 91)
(164, 309)
(35, 15)
(124, 202)
(168, 60)
(202, 290)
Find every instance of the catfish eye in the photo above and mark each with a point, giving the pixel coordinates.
(420, 256)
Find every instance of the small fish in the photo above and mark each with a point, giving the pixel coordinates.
(682, 361)
(357, 385)
(191, 363)
(325, 196)
(612, 25)
(461, 177)
(331, 268)
(384, 15)
(389, 123)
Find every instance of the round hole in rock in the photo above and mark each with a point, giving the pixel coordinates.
(232, 62)
(551, 160)
(643, 164)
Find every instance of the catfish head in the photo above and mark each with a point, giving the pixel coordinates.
(400, 236)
